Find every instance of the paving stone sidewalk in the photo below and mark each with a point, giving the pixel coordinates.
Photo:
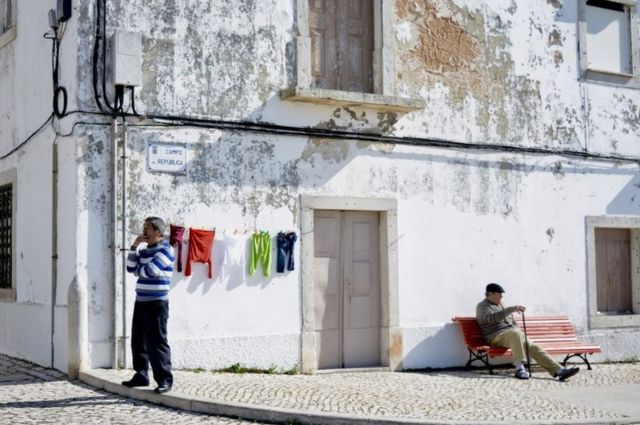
(30, 394)
(608, 394)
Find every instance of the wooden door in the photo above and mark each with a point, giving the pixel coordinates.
(613, 270)
(347, 289)
(341, 35)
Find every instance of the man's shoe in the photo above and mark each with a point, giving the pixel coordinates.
(522, 374)
(566, 373)
(163, 388)
(136, 381)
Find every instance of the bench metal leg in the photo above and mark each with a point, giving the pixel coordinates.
(478, 356)
(582, 356)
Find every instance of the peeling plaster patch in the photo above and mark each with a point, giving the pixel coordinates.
(336, 151)
(482, 203)
(468, 51)
(461, 185)
(158, 77)
(630, 112)
(557, 170)
(550, 233)
(557, 58)
(555, 38)
(223, 169)
(443, 46)
(386, 121)
(91, 150)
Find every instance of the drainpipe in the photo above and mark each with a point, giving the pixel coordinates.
(123, 248)
(114, 238)
(54, 242)
(78, 329)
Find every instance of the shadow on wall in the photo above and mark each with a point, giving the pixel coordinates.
(628, 200)
(445, 348)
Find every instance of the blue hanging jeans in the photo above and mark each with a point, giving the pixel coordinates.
(286, 242)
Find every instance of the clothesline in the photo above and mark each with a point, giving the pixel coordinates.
(200, 244)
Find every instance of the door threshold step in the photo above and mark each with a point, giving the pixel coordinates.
(352, 370)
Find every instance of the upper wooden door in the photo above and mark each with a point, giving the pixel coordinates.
(341, 33)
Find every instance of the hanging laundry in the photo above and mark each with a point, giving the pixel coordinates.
(260, 253)
(286, 242)
(234, 262)
(200, 244)
(176, 238)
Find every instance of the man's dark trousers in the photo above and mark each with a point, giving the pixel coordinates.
(149, 342)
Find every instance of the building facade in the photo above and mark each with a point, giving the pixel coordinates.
(417, 149)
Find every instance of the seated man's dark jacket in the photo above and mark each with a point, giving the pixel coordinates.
(494, 318)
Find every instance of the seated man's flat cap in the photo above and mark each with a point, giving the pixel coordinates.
(494, 287)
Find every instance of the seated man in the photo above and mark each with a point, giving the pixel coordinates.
(500, 330)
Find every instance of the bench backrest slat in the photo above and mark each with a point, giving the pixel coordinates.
(539, 329)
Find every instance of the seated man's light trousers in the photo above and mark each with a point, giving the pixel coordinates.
(514, 339)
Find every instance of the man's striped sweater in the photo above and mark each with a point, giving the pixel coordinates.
(154, 266)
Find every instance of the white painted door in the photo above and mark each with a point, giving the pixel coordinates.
(347, 289)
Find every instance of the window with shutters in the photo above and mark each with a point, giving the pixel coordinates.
(608, 40)
(7, 236)
(341, 34)
(614, 281)
(345, 55)
(7, 21)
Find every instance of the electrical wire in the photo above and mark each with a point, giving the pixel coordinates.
(31, 136)
(351, 135)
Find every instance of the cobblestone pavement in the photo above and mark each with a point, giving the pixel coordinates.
(472, 396)
(30, 394)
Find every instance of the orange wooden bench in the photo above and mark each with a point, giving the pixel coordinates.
(555, 334)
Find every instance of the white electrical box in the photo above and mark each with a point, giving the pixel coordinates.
(126, 54)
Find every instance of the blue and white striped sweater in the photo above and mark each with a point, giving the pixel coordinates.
(154, 266)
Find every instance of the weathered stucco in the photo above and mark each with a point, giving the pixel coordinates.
(499, 72)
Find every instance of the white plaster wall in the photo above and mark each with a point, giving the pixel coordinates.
(25, 102)
(464, 217)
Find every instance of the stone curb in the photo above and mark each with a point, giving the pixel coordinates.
(210, 406)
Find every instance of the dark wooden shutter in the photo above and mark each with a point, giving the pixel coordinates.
(613, 270)
(341, 34)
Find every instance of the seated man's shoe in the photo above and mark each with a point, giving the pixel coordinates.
(522, 374)
(566, 373)
(163, 388)
(137, 381)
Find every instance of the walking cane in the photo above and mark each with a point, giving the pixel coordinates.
(526, 343)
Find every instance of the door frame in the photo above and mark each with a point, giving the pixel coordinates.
(391, 351)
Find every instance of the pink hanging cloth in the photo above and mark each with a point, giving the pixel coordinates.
(176, 237)
(200, 245)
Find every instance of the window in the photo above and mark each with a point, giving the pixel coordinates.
(613, 248)
(613, 271)
(607, 40)
(341, 35)
(345, 55)
(7, 21)
(7, 236)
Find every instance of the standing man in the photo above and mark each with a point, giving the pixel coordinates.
(153, 265)
(500, 330)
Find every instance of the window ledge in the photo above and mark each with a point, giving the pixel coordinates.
(7, 294)
(8, 36)
(609, 72)
(614, 321)
(346, 98)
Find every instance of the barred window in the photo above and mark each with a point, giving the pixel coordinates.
(6, 224)
(6, 15)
